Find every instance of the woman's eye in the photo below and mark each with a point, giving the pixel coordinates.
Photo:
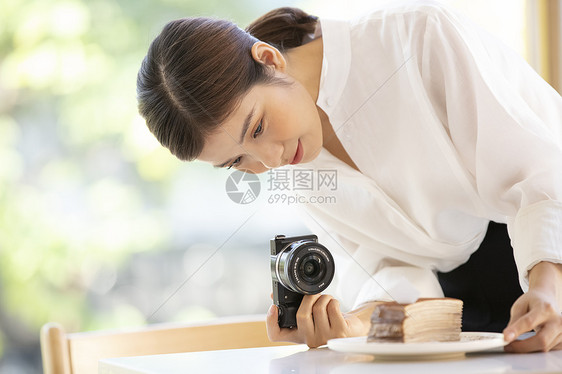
(258, 130)
(235, 162)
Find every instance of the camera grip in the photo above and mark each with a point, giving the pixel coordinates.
(287, 316)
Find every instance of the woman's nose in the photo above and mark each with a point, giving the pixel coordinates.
(270, 155)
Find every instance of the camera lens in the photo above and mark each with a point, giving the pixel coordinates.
(306, 267)
(312, 268)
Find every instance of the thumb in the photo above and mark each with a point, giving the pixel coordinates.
(276, 333)
(518, 310)
(273, 329)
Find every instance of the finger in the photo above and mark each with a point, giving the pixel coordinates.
(305, 320)
(522, 324)
(543, 340)
(320, 315)
(337, 320)
(518, 310)
(274, 332)
(556, 343)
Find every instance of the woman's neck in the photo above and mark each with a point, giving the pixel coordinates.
(304, 64)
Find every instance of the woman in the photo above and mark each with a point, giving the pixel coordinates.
(443, 140)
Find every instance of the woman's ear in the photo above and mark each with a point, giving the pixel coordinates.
(268, 55)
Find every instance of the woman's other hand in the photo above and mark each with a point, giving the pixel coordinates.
(539, 309)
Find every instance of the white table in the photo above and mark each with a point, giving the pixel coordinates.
(299, 359)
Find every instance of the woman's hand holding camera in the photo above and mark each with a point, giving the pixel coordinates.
(319, 319)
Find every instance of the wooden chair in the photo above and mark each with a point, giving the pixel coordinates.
(74, 353)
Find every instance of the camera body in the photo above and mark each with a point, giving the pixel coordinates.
(299, 266)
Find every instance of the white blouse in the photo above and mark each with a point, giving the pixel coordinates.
(450, 129)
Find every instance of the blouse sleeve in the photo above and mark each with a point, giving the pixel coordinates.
(505, 122)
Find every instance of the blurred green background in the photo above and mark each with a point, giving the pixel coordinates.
(100, 227)
(88, 199)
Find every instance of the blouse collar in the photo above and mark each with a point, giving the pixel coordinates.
(336, 62)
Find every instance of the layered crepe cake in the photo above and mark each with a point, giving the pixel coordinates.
(435, 320)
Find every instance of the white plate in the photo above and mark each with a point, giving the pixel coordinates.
(469, 342)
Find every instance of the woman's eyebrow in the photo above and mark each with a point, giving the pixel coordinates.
(245, 126)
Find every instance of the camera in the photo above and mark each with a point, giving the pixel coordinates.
(299, 266)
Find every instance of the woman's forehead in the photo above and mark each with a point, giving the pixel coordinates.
(226, 140)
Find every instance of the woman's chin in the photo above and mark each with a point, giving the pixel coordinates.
(309, 158)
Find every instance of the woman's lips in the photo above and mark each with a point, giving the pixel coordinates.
(298, 154)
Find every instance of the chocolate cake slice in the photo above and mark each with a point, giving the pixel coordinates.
(437, 320)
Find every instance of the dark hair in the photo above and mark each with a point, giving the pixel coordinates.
(283, 28)
(198, 69)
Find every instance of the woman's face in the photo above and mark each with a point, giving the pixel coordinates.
(274, 125)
